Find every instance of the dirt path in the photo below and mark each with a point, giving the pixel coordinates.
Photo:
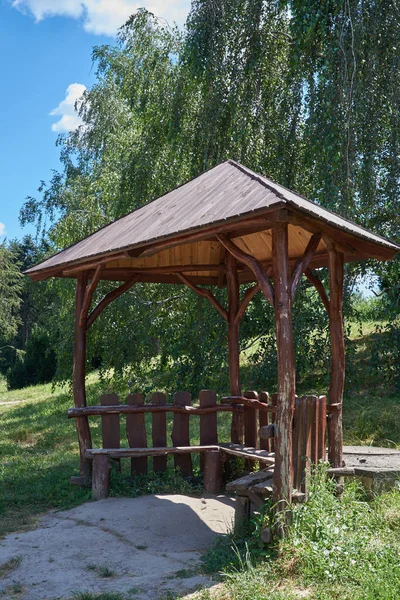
(147, 546)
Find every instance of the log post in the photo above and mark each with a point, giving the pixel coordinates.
(336, 386)
(101, 477)
(283, 473)
(79, 391)
(212, 471)
(232, 282)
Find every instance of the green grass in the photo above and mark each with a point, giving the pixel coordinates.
(39, 452)
(347, 549)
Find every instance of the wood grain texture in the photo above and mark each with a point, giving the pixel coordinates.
(159, 432)
(247, 298)
(303, 262)
(136, 434)
(208, 423)
(90, 289)
(212, 471)
(108, 298)
(336, 386)
(110, 425)
(264, 421)
(180, 434)
(252, 263)
(79, 375)
(125, 409)
(205, 294)
(232, 283)
(283, 474)
(101, 477)
(220, 199)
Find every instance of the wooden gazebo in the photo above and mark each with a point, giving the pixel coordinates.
(226, 227)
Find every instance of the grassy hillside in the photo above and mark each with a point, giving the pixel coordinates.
(39, 450)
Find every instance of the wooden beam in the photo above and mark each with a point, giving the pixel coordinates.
(89, 266)
(302, 263)
(172, 269)
(253, 403)
(283, 473)
(79, 372)
(90, 289)
(108, 298)
(129, 409)
(238, 223)
(247, 298)
(205, 293)
(319, 286)
(336, 386)
(317, 226)
(253, 264)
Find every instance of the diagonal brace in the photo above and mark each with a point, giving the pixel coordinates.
(248, 296)
(302, 263)
(205, 293)
(108, 298)
(319, 286)
(252, 263)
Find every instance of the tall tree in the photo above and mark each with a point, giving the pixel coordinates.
(10, 288)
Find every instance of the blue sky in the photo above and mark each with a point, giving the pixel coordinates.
(45, 62)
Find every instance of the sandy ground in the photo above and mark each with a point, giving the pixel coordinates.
(152, 546)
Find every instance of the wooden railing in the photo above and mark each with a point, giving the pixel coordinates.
(256, 414)
(135, 409)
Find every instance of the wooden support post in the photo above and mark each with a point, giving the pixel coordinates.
(232, 282)
(212, 471)
(101, 476)
(79, 391)
(283, 473)
(242, 512)
(336, 387)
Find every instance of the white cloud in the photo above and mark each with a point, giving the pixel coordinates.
(103, 17)
(69, 120)
(2, 229)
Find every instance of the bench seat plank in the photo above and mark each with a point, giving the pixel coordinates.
(248, 452)
(132, 452)
(243, 483)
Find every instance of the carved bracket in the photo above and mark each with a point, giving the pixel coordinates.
(253, 264)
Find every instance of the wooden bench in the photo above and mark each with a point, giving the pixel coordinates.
(252, 491)
(212, 462)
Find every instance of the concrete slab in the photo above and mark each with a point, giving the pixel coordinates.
(150, 544)
(378, 468)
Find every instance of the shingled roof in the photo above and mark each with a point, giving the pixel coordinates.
(178, 229)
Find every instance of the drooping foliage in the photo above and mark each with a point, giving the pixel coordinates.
(304, 92)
